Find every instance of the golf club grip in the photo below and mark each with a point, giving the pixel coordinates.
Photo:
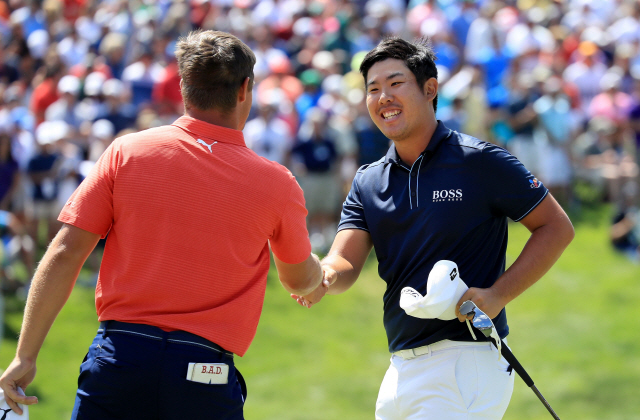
(506, 352)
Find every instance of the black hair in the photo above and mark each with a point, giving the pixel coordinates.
(418, 56)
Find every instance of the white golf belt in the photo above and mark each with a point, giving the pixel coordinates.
(408, 354)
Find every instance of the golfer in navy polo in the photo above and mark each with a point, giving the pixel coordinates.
(439, 195)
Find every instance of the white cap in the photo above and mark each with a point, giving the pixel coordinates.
(444, 290)
(69, 84)
(51, 131)
(4, 408)
(113, 87)
(93, 83)
(38, 42)
(103, 129)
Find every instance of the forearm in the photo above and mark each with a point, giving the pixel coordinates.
(51, 287)
(300, 279)
(346, 273)
(543, 249)
(345, 260)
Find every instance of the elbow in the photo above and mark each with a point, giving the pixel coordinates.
(568, 233)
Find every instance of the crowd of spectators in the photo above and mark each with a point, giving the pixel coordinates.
(555, 82)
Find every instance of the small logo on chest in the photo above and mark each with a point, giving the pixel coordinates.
(447, 195)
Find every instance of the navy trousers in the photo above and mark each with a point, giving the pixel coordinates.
(135, 371)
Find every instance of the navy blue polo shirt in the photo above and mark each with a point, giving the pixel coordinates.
(452, 204)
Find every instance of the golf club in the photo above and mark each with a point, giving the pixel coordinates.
(484, 324)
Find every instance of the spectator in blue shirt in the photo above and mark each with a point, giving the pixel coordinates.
(315, 165)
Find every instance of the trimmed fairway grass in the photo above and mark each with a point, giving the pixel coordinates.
(576, 333)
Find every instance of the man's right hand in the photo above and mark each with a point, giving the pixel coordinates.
(329, 277)
(17, 377)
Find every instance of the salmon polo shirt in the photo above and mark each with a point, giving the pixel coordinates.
(190, 212)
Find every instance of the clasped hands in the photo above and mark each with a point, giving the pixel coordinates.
(329, 276)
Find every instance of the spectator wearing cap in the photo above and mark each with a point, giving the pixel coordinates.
(46, 93)
(522, 121)
(102, 134)
(91, 106)
(625, 229)
(602, 158)
(166, 91)
(555, 124)
(73, 49)
(64, 108)
(30, 16)
(586, 73)
(311, 80)
(117, 109)
(372, 144)
(268, 134)
(315, 164)
(140, 77)
(92, 63)
(611, 103)
(43, 173)
(112, 48)
(281, 77)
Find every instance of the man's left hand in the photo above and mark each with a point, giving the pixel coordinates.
(485, 299)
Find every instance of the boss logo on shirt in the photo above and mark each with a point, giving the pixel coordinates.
(447, 195)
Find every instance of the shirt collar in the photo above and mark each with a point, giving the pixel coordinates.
(442, 132)
(210, 131)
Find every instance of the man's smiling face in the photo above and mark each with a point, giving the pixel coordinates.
(396, 104)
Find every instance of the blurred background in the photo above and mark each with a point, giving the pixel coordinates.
(557, 83)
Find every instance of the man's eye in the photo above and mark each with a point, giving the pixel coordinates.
(373, 90)
(395, 83)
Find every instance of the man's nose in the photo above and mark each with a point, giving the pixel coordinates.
(385, 97)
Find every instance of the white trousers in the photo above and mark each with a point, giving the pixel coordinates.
(454, 381)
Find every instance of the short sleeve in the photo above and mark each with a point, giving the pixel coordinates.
(90, 207)
(352, 216)
(513, 190)
(290, 240)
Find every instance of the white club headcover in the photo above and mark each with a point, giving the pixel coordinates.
(444, 290)
(8, 414)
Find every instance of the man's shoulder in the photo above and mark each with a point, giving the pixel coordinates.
(153, 133)
(371, 169)
(466, 144)
(370, 172)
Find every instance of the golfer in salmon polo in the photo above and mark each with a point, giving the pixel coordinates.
(190, 213)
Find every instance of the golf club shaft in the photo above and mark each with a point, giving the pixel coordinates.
(515, 364)
(544, 402)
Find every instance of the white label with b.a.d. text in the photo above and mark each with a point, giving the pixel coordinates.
(208, 373)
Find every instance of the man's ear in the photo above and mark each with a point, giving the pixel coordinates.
(430, 88)
(244, 90)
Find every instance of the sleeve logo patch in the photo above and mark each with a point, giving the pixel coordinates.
(534, 183)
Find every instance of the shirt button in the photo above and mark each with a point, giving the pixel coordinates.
(413, 174)
(413, 194)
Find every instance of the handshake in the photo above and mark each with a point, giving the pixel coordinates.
(329, 276)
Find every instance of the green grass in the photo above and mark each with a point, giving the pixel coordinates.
(575, 332)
